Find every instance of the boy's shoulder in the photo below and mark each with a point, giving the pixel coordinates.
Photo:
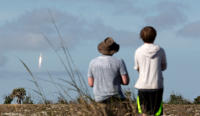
(106, 59)
(162, 49)
(94, 60)
(149, 48)
(139, 49)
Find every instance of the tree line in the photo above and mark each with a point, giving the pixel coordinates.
(22, 98)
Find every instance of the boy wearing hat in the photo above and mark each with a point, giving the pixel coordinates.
(150, 61)
(106, 73)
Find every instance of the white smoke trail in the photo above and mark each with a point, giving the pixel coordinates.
(40, 60)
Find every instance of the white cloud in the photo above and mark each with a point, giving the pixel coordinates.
(25, 32)
(114, 7)
(169, 15)
(190, 30)
(126, 7)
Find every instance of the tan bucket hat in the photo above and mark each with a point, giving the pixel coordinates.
(108, 46)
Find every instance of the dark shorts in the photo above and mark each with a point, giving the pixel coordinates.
(150, 101)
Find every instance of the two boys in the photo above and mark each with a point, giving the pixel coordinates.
(106, 73)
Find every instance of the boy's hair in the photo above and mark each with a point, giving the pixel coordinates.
(148, 34)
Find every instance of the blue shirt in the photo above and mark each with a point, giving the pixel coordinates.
(106, 71)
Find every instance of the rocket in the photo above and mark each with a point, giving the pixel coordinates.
(40, 60)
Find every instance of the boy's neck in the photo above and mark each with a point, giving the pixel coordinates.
(147, 43)
(107, 54)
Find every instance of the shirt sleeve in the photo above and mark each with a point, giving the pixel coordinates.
(123, 69)
(90, 70)
(136, 65)
(163, 61)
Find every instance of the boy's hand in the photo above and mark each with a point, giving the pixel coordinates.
(125, 79)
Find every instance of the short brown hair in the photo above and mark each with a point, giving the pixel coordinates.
(148, 34)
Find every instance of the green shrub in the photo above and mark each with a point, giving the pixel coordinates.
(177, 99)
(197, 100)
(27, 100)
(8, 100)
(62, 101)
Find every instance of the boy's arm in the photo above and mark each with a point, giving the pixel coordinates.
(124, 74)
(136, 67)
(90, 76)
(164, 61)
(125, 79)
(91, 81)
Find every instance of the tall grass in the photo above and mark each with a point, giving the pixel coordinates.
(39, 90)
(74, 79)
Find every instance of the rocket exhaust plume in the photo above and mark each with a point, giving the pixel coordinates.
(40, 60)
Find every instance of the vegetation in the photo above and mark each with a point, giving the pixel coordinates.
(177, 99)
(62, 101)
(197, 100)
(8, 100)
(74, 79)
(27, 100)
(20, 94)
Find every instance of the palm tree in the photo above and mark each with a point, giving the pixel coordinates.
(20, 93)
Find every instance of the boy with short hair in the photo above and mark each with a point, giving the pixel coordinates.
(150, 61)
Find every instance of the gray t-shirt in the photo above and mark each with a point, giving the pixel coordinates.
(106, 71)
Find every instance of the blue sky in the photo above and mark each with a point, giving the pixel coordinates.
(83, 24)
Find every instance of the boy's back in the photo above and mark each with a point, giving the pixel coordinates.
(150, 61)
(107, 72)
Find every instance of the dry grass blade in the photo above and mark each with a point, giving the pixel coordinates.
(72, 67)
(34, 81)
(60, 58)
(74, 85)
(82, 86)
